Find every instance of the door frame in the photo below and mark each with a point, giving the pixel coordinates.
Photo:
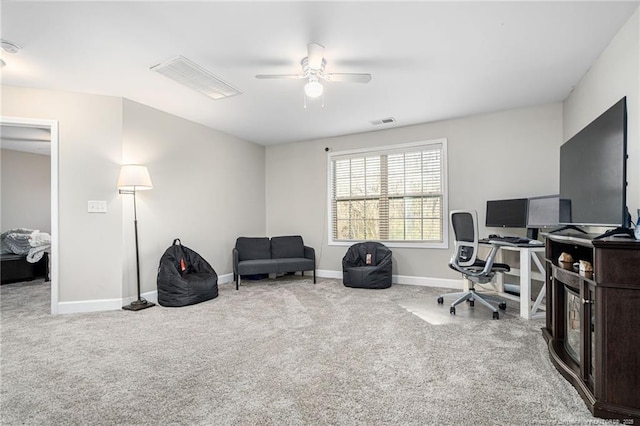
(52, 126)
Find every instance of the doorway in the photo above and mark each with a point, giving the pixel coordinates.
(51, 126)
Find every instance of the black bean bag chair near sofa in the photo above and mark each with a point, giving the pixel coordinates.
(184, 277)
(367, 265)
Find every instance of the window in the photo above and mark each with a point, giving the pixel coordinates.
(393, 194)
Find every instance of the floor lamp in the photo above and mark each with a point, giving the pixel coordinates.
(135, 178)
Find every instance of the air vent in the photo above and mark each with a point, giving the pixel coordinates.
(195, 77)
(387, 120)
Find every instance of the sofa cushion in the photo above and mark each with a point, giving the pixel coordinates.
(286, 247)
(250, 248)
(257, 266)
(293, 264)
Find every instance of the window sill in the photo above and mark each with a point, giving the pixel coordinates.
(396, 244)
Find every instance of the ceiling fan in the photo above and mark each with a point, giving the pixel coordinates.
(313, 70)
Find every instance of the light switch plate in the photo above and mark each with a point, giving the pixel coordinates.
(94, 206)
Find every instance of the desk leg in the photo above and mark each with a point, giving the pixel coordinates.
(543, 290)
(499, 281)
(525, 283)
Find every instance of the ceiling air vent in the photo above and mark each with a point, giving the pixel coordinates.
(197, 78)
(387, 120)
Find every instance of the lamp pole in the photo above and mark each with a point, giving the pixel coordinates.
(141, 303)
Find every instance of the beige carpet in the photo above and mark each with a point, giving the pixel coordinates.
(276, 352)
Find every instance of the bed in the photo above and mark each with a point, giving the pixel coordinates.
(24, 254)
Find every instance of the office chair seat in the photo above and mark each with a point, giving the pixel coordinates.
(479, 263)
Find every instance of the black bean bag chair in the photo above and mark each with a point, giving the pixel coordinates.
(184, 277)
(367, 265)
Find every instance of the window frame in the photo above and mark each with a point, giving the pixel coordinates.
(390, 149)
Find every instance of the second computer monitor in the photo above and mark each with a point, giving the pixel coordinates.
(547, 212)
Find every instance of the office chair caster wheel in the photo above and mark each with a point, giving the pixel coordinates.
(502, 305)
(471, 303)
(440, 300)
(452, 310)
(496, 315)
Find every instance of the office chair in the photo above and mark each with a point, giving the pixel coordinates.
(465, 261)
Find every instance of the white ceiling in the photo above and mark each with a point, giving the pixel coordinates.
(429, 60)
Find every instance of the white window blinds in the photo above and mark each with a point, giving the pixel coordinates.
(393, 194)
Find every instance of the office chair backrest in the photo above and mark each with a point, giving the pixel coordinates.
(465, 228)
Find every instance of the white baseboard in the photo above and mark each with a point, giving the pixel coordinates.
(225, 279)
(152, 296)
(404, 279)
(115, 304)
(102, 305)
(427, 281)
(327, 273)
(89, 306)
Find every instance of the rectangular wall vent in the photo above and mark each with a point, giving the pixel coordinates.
(387, 120)
(197, 78)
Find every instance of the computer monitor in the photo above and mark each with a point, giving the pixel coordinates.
(507, 213)
(546, 212)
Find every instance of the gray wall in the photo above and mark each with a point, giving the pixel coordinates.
(502, 155)
(26, 191)
(208, 189)
(616, 73)
(90, 148)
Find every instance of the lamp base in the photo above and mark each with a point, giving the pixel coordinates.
(138, 305)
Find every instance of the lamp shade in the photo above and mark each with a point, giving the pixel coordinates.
(134, 177)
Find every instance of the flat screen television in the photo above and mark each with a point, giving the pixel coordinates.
(507, 213)
(547, 211)
(593, 174)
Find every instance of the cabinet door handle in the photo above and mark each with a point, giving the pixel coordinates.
(586, 302)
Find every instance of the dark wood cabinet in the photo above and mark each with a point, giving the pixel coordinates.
(593, 321)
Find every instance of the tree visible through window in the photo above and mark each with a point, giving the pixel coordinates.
(393, 194)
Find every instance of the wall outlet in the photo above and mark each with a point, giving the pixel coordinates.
(96, 206)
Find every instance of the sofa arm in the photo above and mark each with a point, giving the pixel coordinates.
(234, 254)
(310, 253)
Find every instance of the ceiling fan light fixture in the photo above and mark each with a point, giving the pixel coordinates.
(313, 88)
(313, 66)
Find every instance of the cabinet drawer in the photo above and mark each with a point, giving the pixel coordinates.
(624, 276)
(569, 278)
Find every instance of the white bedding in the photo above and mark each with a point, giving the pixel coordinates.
(24, 241)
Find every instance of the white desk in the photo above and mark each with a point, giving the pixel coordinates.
(528, 258)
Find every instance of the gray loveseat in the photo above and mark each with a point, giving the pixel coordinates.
(272, 256)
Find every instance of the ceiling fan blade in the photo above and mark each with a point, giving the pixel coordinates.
(289, 76)
(315, 55)
(348, 77)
